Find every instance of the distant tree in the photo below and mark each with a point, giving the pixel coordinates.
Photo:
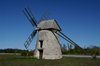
(97, 53)
(70, 50)
(75, 49)
(1, 51)
(96, 49)
(64, 49)
(68, 46)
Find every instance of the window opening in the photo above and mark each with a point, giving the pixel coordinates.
(41, 43)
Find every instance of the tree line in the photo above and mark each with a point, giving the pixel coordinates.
(10, 50)
(69, 49)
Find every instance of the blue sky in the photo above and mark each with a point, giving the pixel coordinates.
(78, 19)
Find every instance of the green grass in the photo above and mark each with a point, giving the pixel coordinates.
(15, 60)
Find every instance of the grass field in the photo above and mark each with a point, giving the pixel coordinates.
(15, 60)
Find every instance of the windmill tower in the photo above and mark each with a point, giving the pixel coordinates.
(47, 46)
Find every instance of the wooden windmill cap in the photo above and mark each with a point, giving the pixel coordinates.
(48, 24)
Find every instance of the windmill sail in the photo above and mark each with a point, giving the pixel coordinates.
(30, 38)
(72, 42)
(30, 16)
(33, 21)
(45, 16)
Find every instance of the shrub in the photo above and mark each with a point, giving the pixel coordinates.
(30, 53)
(92, 52)
(71, 51)
(97, 53)
(24, 53)
(65, 52)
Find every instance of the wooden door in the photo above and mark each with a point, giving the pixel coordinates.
(41, 53)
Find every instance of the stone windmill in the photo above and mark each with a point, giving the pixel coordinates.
(47, 46)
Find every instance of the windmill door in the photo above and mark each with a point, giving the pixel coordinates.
(41, 54)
